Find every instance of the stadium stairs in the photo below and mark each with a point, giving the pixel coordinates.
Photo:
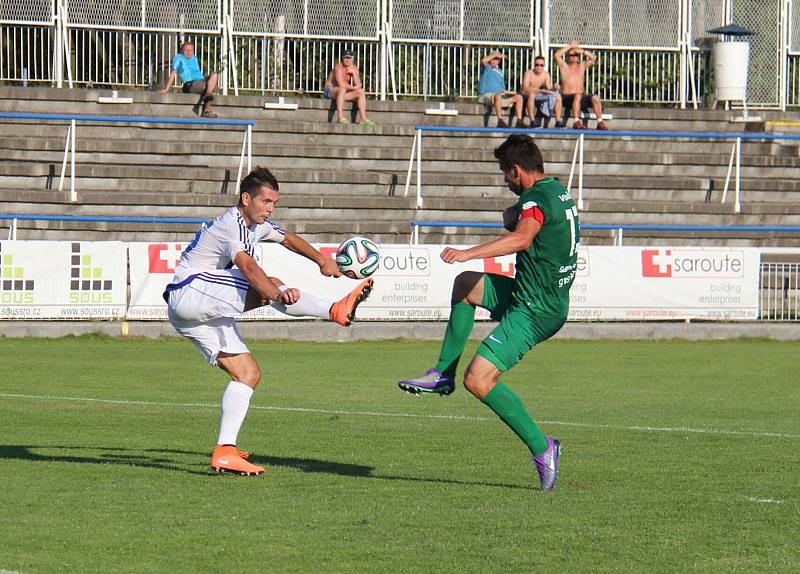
(338, 180)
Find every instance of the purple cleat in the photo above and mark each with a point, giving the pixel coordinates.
(432, 382)
(547, 464)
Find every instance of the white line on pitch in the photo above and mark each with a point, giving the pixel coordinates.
(766, 500)
(407, 415)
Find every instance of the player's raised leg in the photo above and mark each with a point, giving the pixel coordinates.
(342, 311)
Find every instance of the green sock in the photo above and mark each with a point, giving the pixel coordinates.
(508, 406)
(462, 317)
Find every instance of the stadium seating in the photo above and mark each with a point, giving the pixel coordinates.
(339, 180)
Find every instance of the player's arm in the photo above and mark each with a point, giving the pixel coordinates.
(327, 266)
(256, 277)
(518, 240)
(590, 60)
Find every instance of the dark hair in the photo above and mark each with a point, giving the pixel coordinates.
(520, 150)
(537, 58)
(256, 179)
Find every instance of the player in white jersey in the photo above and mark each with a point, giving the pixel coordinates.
(217, 279)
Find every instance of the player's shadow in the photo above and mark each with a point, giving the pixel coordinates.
(169, 460)
(164, 459)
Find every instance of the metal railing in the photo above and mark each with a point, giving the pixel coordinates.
(650, 52)
(73, 119)
(780, 292)
(13, 218)
(576, 169)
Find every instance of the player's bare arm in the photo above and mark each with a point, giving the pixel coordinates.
(257, 278)
(173, 75)
(327, 266)
(342, 75)
(559, 55)
(518, 240)
(491, 56)
(356, 75)
(591, 59)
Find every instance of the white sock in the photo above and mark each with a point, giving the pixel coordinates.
(234, 405)
(309, 305)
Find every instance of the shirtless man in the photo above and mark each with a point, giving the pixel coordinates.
(344, 85)
(537, 89)
(572, 74)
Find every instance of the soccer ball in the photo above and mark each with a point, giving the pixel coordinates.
(358, 257)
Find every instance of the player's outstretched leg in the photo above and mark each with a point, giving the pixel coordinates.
(228, 458)
(547, 464)
(344, 310)
(430, 382)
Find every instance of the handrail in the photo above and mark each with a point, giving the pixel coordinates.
(620, 227)
(69, 146)
(14, 217)
(735, 158)
(608, 133)
(104, 218)
(126, 119)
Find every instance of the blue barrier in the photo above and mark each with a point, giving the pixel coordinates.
(617, 133)
(103, 218)
(631, 226)
(619, 228)
(125, 119)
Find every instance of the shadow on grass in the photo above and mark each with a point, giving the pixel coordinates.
(164, 459)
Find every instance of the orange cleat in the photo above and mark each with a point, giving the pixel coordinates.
(230, 459)
(344, 310)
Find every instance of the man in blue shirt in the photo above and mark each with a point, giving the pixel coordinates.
(185, 65)
(492, 89)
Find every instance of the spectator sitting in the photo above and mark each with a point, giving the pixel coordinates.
(572, 74)
(186, 65)
(344, 85)
(538, 91)
(492, 89)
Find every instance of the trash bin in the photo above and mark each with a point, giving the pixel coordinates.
(731, 57)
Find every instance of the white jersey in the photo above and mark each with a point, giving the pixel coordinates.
(216, 243)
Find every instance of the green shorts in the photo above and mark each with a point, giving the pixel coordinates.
(519, 329)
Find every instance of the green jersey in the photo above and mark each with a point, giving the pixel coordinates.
(546, 269)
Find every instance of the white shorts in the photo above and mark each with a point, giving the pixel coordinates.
(203, 308)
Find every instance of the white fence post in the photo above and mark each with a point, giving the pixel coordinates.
(58, 50)
(223, 51)
(232, 53)
(72, 195)
(65, 51)
(419, 168)
(411, 164)
(66, 154)
(737, 206)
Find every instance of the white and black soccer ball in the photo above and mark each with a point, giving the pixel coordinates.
(358, 257)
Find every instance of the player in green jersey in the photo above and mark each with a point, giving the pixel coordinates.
(531, 307)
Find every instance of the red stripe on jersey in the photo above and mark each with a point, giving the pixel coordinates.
(534, 212)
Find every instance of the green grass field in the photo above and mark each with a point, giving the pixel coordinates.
(677, 457)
